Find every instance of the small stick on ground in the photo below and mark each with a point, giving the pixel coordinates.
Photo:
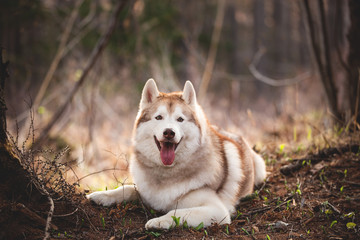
(50, 213)
(68, 214)
(334, 208)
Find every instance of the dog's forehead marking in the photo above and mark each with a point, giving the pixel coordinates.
(178, 110)
(175, 104)
(168, 103)
(162, 109)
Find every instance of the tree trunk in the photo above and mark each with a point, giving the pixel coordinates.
(282, 35)
(354, 59)
(3, 76)
(320, 45)
(259, 24)
(16, 187)
(259, 33)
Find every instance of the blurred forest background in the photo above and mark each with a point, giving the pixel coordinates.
(259, 67)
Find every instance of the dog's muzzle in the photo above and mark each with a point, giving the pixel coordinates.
(167, 148)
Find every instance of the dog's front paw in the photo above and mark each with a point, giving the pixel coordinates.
(101, 198)
(163, 222)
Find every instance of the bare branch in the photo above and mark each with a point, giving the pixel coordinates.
(219, 74)
(92, 60)
(58, 55)
(213, 49)
(270, 81)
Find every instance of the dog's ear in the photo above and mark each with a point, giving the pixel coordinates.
(189, 94)
(149, 93)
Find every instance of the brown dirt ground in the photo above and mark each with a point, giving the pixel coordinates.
(316, 201)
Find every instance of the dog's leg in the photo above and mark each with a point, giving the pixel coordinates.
(107, 198)
(200, 206)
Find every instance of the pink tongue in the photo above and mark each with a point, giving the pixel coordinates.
(167, 153)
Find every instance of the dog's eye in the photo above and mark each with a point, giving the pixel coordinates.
(158, 117)
(180, 119)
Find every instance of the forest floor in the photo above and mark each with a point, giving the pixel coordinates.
(314, 194)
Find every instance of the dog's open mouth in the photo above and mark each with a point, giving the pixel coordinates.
(167, 150)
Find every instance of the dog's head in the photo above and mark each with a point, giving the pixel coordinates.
(167, 128)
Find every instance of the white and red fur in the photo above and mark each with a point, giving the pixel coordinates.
(199, 176)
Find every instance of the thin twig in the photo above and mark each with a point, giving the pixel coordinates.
(353, 183)
(68, 214)
(308, 220)
(334, 208)
(92, 225)
(263, 209)
(146, 211)
(103, 170)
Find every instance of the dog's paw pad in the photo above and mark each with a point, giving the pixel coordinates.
(160, 223)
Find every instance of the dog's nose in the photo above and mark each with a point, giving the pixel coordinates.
(169, 133)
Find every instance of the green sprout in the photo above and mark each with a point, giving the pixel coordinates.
(333, 223)
(102, 220)
(245, 231)
(155, 234)
(287, 204)
(227, 229)
(309, 134)
(200, 226)
(281, 148)
(176, 220)
(238, 214)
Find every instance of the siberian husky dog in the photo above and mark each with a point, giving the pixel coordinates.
(184, 166)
